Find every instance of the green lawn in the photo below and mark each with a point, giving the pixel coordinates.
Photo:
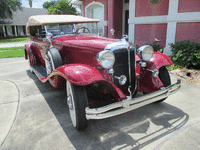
(14, 40)
(12, 52)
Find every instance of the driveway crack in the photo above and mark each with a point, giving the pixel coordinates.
(16, 113)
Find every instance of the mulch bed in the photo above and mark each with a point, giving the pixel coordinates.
(189, 75)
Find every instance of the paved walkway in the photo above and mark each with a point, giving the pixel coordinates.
(12, 44)
(35, 116)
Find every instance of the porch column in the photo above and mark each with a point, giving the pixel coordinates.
(15, 30)
(171, 25)
(170, 38)
(26, 31)
(110, 17)
(131, 32)
(4, 31)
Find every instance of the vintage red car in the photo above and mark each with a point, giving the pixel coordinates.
(102, 75)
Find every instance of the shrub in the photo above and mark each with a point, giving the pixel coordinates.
(186, 53)
(156, 47)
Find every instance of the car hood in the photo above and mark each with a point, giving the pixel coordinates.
(85, 41)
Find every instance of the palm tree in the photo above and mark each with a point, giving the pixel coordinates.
(30, 3)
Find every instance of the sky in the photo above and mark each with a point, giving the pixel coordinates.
(36, 3)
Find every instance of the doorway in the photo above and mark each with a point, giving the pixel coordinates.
(126, 22)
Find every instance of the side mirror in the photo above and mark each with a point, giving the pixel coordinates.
(112, 31)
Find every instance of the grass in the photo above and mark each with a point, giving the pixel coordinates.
(12, 52)
(14, 40)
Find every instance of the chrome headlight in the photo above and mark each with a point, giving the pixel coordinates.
(106, 59)
(146, 52)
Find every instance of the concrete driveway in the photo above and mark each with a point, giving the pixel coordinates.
(13, 44)
(35, 116)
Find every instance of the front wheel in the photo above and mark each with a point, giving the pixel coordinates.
(77, 102)
(165, 78)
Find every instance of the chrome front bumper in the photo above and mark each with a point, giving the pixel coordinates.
(129, 104)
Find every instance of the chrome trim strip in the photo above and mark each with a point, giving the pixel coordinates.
(130, 103)
(135, 74)
(117, 45)
(129, 70)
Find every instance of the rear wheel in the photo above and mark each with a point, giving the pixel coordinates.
(165, 78)
(77, 102)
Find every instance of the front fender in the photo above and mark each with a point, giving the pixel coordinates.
(79, 74)
(159, 60)
(146, 82)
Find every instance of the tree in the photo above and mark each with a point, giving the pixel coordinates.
(7, 8)
(62, 7)
(30, 3)
(46, 5)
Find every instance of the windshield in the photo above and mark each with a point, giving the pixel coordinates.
(58, 29)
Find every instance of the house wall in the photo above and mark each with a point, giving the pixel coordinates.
(146, 33)
(189, 6)
(169, 21)
(145, 8)
(188, 31)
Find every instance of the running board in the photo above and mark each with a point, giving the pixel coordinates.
(40, 71)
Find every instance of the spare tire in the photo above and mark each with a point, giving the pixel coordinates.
(53, 60)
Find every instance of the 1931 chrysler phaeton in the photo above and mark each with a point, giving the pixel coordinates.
(102, 75)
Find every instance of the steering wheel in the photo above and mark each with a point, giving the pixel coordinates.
(83, 29)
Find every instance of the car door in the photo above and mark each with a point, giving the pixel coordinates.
(41, 44)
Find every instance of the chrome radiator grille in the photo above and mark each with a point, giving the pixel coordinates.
(121, 67)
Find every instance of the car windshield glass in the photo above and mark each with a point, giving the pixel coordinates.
(87, 28)
(60, 29)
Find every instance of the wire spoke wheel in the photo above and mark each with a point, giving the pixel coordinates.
(77, 102)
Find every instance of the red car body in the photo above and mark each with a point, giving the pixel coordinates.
(80, 67)
(85, 49)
